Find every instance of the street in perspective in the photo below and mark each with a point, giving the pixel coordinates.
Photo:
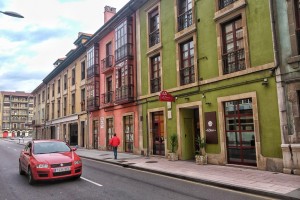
(138, 177)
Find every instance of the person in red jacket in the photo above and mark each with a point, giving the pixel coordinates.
(115, 142)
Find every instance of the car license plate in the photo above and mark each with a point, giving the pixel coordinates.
(62, 169)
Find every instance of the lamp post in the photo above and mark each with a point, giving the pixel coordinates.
(12, 14)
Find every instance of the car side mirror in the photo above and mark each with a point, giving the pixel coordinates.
(74, 149)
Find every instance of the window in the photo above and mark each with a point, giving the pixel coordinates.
(108, 60)
(65, 106)
(53, 89)
(39, 99)
(109, 91)
(154, 28)
(233, 55)
(124, 81)
(43, 96)
(48, 92)
(58, 108)
(297, 22)
(73, 103)
(123, 37)
(224, 3)
(187, 72)
(73, 76)
(82, 70)
(58, 86)
(52, 114)
(185, 14)
(82, 99)
(65, 81)
(155, 78)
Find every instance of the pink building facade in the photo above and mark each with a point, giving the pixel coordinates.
(111, 87)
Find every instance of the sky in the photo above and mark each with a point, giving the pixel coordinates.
(29, 46)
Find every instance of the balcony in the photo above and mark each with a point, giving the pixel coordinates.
(155, 85)
(124, 51)
(93, 71)
(124, 94)
(185, 20)
(107, 64)
(187, 75)
(154, 38)
(224, 3)
(107, 99)
(93, 104)
(234, 61)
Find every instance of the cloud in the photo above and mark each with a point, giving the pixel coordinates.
(30, 46)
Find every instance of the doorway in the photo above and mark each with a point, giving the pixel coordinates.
(158, 133)
(52, 134)
(109, 132)
(190, 129)
(240, 135)
(82, 133)
(95, 134)
(74, 134)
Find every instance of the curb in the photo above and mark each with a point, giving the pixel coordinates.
(197, 180)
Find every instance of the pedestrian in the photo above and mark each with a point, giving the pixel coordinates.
(115, 142)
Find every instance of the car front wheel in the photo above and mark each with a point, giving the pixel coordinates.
(21, 172)
(31, 180)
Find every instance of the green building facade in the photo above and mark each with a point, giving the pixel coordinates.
(214, 57)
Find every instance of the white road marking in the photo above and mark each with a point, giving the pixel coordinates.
(91, 182)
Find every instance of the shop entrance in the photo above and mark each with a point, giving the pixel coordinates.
(109, 132)
(240, 137)
(158, 133)
(74, 134)
(95, 134)
(189, 123)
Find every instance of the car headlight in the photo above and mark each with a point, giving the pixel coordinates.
(77, 162)
(42, 166)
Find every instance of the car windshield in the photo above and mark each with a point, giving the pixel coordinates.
(50, 147)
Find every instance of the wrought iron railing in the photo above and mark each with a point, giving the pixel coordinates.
(93, 103)
(124, 93)
(155, 85)
(187, 75)
(233, 61)
(93, 71)
(123, 51)
(107, 98)
(185, 20)
(107, 63)
(154, 38)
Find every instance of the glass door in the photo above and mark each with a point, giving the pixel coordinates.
(240, 137)
(158, 133)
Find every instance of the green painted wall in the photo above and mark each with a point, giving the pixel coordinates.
(261, 53)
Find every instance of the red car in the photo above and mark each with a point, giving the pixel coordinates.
(49, 160)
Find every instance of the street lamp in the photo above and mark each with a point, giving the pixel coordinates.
(12, 14)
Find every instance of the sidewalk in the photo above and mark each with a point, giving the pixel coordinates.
(272, 184)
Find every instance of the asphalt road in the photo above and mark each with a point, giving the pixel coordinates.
(103, 181)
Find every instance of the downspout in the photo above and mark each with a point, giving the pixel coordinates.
(274, 36)
(281, 88)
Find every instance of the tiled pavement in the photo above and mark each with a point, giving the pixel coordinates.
(272, 184)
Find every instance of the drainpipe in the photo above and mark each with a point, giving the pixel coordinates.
(274, 35)
(277, 72)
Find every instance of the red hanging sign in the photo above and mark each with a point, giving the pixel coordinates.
(165, 96)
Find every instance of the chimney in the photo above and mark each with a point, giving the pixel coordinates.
(109, 12)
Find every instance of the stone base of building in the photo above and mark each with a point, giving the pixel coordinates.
(291, 158)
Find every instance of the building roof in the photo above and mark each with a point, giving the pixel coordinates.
(16, 93)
